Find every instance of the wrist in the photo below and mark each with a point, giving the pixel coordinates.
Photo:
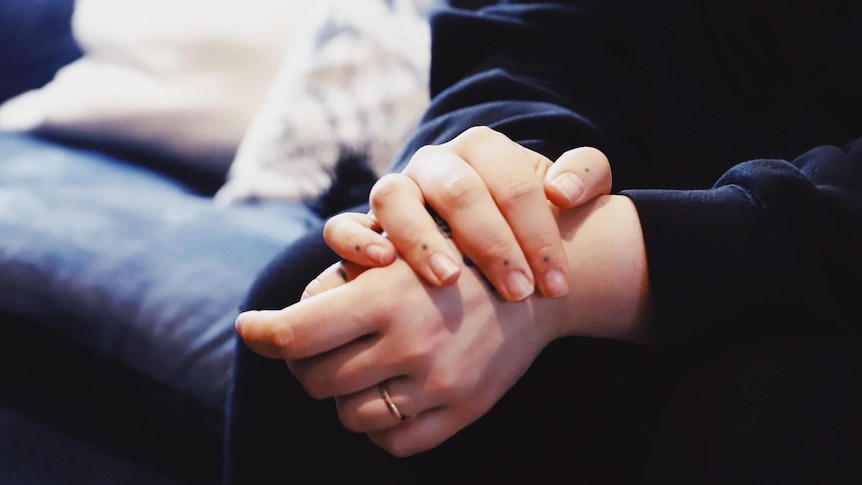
(608, 275)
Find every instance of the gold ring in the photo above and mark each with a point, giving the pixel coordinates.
(384, 393)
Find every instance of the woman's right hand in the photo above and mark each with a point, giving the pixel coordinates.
(494, 195)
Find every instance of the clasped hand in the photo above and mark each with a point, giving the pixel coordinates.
(447, 345)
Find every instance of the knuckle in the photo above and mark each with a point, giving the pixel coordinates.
(424, 160)
(337, 227)
(458, 190)
(517, 191)
(479, 141)
(330, 230)
(423, 155)
(386, 189)
(349, 419)
(479, 134)
(415, 352)
(445, 384)
(286, 340)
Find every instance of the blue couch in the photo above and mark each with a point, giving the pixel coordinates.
(119, 284)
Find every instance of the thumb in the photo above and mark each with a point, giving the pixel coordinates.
(579, 175)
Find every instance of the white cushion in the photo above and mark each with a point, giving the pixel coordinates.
(175, 78)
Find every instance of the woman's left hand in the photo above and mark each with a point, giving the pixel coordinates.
(445, 354)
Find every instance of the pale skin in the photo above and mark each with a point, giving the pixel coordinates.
(450, 351)
(481, 175)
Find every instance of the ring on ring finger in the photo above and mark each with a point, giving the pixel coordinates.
(393, 409)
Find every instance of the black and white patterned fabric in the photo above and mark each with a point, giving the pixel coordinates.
(355, 81)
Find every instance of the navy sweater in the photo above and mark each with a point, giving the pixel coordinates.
(730, 124)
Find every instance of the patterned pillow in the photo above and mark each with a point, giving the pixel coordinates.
(355, 81)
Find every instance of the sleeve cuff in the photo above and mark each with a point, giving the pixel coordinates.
(706, 254)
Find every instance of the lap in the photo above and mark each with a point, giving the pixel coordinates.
(595, 411)
(565, 418)
(784, 411)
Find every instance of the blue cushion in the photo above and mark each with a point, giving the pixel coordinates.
(35, 41)
(130, 263)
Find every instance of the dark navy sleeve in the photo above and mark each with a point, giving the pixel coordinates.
(512, 67)
(775, 248)
(765, 247)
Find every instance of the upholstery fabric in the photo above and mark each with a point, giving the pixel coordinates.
(130, 263)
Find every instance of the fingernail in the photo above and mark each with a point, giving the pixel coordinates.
(555, 284)
(311, 289)
(443, 266)
(569, 184)
(378, 253)
(519, 286)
